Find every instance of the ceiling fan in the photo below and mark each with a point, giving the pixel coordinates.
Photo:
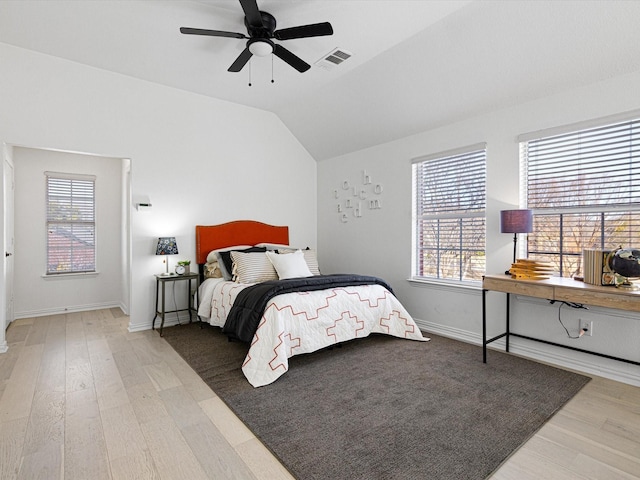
(261, 27)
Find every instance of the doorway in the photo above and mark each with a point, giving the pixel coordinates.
(22, 168)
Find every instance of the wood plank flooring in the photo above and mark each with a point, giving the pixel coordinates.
(80, 398)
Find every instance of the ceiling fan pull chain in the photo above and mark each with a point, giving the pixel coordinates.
(272, 81)
(249, 73)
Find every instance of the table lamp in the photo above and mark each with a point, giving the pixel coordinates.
(167, 246)
(516, 221)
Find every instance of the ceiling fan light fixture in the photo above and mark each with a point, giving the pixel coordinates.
(261, 48)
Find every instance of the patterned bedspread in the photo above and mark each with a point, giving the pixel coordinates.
(303, 322)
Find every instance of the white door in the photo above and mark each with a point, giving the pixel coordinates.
(8, 237)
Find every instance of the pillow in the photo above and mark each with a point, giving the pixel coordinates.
(275, 246)
(292, 265)
(226, 262)
(252, 267)
(212, 256)
(310, 257)
(212, 270)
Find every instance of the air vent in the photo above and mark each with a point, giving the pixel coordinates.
(333, 58)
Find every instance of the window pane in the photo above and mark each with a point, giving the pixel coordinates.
(450, 222)
(590, 180)
(70, 225)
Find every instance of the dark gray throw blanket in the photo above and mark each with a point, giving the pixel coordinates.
(244, 317)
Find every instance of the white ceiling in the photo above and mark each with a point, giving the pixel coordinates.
(416, 64)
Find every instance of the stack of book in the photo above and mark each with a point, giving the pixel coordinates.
(596, 267)
(531, 269)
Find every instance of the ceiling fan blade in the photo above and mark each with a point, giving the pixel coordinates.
(303, 31)
(211, 33)
(252, 13)
(293, 60)
(241, 61)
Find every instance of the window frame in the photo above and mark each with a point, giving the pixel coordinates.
(461, 216)
(601, 216)
(82, 205)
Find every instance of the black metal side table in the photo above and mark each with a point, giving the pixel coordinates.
(162, 280)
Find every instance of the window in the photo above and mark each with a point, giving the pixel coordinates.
(584, 189)
(71, 224)
(449, 212)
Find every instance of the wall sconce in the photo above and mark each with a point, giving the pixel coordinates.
(167, 246)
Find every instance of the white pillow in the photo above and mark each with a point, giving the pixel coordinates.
(309, 255)
(252, 267)
(292, 265)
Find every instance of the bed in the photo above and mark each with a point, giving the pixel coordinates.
(260, 290)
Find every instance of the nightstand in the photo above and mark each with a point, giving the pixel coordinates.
(161, 282)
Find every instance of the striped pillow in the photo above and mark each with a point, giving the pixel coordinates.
(310, 257)
(252, 267)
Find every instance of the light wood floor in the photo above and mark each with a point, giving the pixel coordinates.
(81, 398)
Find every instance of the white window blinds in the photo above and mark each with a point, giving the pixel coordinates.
(450, 198)
(70, 223)
(597, 167)
(584, 188)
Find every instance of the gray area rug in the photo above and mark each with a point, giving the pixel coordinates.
(385, 408)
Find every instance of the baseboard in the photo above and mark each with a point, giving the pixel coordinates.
(169, 322)
(124, 308)
(4, 347)
(558, 356)
(63, 310)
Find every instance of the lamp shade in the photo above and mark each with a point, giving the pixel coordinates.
(261, 48)
(516, 221)
(167, 246)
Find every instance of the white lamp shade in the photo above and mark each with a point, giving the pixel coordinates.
(261, 49)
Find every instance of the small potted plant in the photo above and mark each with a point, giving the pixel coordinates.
(184, 264)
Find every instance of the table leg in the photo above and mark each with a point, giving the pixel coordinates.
(484, 326)
(155, 308)
(189, 299)
(164, 296)
(508, 311)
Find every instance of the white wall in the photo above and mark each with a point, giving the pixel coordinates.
(198, 160)
(380, 242)
(35, 295)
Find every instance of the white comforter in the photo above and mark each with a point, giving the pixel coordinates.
(303, 322)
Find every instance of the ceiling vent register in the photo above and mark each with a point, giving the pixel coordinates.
(333, 58)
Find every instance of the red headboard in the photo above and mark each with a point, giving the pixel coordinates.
(240, 232)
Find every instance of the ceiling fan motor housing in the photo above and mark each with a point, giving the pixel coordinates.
(265, 30)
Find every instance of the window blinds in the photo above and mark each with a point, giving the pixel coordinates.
(449, 202)
(596, 167)
(453, 184)
(70, 223)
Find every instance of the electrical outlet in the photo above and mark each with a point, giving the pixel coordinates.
(587, 327)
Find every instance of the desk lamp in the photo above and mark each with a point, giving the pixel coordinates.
(167, 246)
(516, 221)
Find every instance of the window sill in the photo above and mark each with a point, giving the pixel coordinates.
(445, 285)
(68, 276)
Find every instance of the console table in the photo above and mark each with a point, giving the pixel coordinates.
(555, 289)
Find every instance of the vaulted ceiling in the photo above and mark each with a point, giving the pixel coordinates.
(415, 64)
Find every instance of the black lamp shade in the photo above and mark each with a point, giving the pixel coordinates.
(516, 221)
(167, 246)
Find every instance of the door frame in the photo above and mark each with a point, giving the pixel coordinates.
(7, 159)
(7, 156)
